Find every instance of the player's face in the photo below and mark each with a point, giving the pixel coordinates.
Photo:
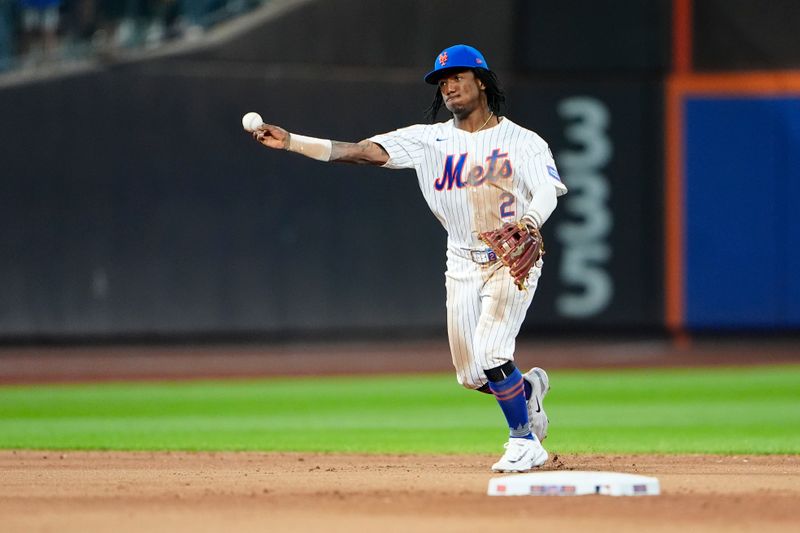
(461, 92)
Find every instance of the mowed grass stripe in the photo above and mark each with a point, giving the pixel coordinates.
(726, 410)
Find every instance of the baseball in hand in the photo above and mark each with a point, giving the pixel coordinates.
(251, 121)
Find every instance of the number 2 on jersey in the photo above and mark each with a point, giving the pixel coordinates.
(506, 205)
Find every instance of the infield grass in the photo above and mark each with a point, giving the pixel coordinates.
(753, 410)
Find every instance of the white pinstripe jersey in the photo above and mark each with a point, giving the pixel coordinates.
(473, 182)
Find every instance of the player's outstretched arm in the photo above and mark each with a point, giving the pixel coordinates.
(365, 152)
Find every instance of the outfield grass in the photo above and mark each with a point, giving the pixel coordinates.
(731, 410)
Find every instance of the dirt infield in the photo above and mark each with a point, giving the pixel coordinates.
(105, 491)
(100, 491)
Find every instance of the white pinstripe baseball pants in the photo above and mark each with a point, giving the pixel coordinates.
(485, 311)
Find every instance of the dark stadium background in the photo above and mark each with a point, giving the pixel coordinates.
(133, 207)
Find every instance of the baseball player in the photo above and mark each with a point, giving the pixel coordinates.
(478, 172)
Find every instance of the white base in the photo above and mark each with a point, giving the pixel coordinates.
(574, 483)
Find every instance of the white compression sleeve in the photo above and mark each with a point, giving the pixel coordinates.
(542, 205)
(319, 149)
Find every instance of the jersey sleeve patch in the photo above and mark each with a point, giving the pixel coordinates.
(553, 172)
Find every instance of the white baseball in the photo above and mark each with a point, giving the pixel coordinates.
(251, 121)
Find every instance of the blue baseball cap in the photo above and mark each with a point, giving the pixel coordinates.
(457, 56)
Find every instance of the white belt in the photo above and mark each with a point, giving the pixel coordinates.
(483, 257)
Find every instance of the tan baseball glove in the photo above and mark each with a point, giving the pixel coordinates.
(518, 246)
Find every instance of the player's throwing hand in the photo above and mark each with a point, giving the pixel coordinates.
(272, 136)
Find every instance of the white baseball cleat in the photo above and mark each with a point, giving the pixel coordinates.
(540, 384)
(521, 455)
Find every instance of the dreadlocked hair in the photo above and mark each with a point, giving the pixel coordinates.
(495, 96)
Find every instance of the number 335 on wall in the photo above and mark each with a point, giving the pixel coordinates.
(584, 237)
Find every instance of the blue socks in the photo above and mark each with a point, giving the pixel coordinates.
(510, 394)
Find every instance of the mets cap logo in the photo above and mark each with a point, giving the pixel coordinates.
(443, 58)
(478, 60)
